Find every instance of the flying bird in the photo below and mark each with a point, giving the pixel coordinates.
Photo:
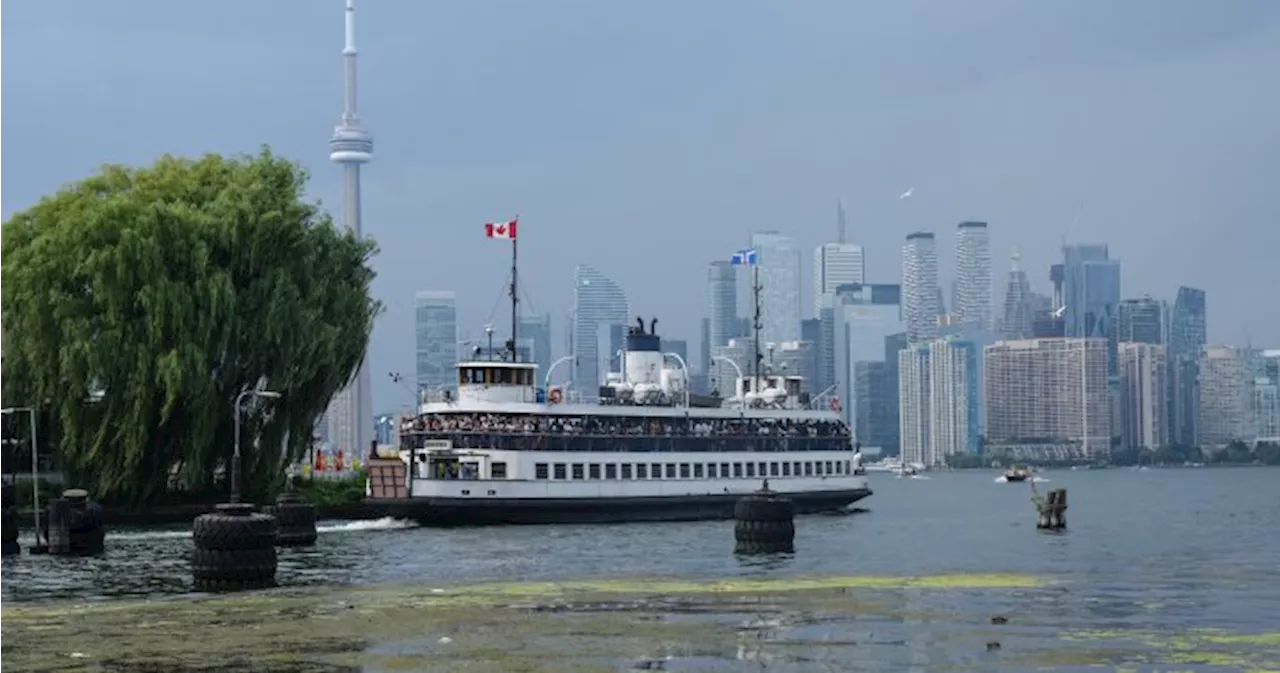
(906, 193)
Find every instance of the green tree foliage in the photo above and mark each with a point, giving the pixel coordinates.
(162, 293)
(967, 461)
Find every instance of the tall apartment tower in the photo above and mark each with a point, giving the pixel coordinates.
(972, 303)
(436, 337)
(597, 302)
(779, 267)
(1266, 396)
(835, 264)
(1187, 339)
(722, 311)
(913, 402)
(1144, 320)
(938, 396)
(1091, 295)
(953, 399)
(920, 293)
(1048, 397)
(1143, 396)
(1225, 397)
(1017, 317)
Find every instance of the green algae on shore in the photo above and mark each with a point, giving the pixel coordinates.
(849, 622)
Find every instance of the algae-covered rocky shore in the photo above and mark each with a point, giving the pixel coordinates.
(828, 623)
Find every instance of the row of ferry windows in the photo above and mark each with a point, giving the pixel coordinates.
(808, 468)
(509, 376)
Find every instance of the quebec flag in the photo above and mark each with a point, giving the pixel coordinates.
(745, 258)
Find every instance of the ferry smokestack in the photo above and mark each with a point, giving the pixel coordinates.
(640, 322)
(653, 326)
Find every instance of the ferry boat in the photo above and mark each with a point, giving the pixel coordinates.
(502, 453)
(505, 451)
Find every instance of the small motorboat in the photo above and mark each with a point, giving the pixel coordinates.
(1016, 474)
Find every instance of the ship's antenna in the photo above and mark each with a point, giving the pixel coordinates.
(755, 327)
(515, 292)
(840, 230)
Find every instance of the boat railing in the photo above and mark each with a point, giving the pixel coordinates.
(582, 442)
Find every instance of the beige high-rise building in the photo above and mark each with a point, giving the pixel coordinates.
(1225, 397)
(1143, 395)
(913, 402)
(1048, 398)
(938, 400)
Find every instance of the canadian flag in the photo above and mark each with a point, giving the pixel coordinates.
(500, 229)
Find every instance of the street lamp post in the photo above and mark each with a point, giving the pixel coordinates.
(685, 367)
(35, 465)
(546, 380)
(742, 402)
(235, 457)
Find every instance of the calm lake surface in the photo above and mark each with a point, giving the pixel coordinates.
(1153, 551)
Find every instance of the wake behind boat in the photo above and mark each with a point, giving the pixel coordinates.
(503, 452)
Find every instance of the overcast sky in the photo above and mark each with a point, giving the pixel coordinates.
(648, 138)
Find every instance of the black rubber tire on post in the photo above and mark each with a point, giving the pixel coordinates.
(231, 533)
(9, 532)
(216, 569)
(85, 528)
(234, 549)
(296, 524)
(88, 535)
(764, 524)
(758, 507)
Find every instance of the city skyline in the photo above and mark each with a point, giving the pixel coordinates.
(1010, 134)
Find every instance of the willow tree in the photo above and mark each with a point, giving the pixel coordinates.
(139, 302)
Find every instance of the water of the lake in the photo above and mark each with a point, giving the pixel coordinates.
(1160, 568)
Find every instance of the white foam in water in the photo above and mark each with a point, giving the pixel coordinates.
(385, 523)
(150, 535)
(1039, 480)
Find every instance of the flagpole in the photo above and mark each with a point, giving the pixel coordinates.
(515, 288)
(755, 290)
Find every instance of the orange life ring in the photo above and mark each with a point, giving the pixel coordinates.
(834, 403)
(555, 396)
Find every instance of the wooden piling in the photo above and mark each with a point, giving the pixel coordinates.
(1051, 509)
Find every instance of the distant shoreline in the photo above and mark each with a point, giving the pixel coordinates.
(1083, 467)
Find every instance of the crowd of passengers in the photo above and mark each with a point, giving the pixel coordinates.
(465, 429)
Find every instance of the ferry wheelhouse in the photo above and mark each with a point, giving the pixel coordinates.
(504, 451)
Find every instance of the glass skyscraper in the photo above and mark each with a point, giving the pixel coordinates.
(436, 332)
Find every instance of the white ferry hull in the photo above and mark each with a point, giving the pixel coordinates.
(463, 511)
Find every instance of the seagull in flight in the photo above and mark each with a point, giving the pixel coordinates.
(907, 193)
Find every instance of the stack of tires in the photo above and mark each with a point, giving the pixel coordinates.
(235, 548)
(9, 521)
(295, 520)
(86, 534)
(764, 523)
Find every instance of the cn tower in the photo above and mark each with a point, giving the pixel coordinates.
(351, 411)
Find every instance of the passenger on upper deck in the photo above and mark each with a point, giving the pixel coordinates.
(623, 433)
(620, 425)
